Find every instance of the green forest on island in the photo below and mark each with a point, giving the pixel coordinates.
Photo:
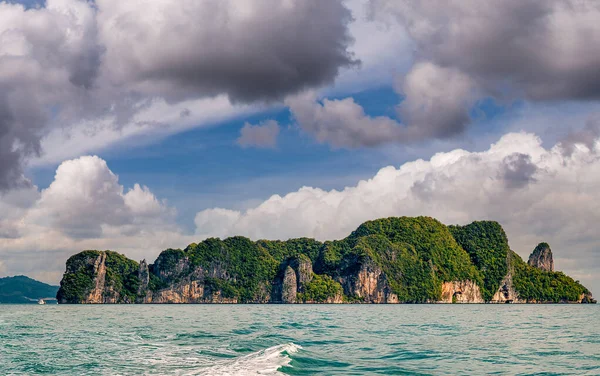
(416, 254)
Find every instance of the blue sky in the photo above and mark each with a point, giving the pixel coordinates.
(205, 167)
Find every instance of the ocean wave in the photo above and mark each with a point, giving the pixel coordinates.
(264, 362)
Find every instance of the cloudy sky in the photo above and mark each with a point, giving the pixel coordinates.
(141, 125)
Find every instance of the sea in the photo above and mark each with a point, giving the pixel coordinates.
(300, 339)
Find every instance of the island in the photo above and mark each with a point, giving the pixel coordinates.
(389, 260)
(21, 289)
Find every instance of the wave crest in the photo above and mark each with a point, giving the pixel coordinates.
(264, 362)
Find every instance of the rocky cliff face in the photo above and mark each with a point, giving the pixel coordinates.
(506, 293)
(541, 258)
(88, 276)
(369, 284)
(461, 292)
(294, 274)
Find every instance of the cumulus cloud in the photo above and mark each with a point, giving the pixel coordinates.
(85, 200)
(263, 135)
(342, 123)
(84, 207)
(517, 170)
(465, 51)
(539, 50)
(79, 67)
(426, 113)
(536, 193)
(437, 101)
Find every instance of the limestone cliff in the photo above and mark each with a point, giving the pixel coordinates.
(98, 277)
(506, 293)
(541, 258)
(369, 284)
(461, 292)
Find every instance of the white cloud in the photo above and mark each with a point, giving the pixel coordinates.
(535, 193)
(263, 135)
(342, 123)
(84, 207)
(426, 113)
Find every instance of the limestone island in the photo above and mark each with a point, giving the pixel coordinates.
(391, 260)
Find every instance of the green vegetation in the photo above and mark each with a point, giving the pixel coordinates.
(416, 256)
(249, 267)
(121, 280)
(224, 287)
(410, 277)
(320, 289)
(122, 276)
(431, 240)
(487, 246)
(533, 284)
(78, 280)
(22, 289)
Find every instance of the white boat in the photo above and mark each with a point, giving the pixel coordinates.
(41, 301)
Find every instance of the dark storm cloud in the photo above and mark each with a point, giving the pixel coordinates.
(538, 50)
(517, 170)
(252, 51)
(545, 49)
(73, 61)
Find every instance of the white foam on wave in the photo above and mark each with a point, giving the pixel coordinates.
(264, 362)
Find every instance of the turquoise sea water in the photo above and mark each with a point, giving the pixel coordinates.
(300, 339)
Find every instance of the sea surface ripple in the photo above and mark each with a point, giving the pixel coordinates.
(300, 339)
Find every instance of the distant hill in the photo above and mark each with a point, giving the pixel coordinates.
(22, 289)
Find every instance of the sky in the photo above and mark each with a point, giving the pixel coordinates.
(143, 125)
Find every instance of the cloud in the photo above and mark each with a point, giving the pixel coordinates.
(540, 48)
(427, 112)
(263, 135)
(583, 137)
(437, 101)
(250, 50)
(342, 123)
(91, 68)
(84, 207)
(48, 56)
(85, 200)
(466, 51)
(535, 193)
(517, 170)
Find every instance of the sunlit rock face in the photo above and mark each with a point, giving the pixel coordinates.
(461, 292)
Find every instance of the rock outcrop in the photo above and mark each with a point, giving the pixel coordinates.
(369, 284)
(541, 258)
(461, 292)
(294, 274)
(506, 292)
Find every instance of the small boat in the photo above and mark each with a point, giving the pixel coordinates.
(41, 301)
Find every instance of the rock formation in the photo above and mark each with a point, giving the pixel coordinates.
(541, 258)
(461, 292)
(393, 260)
(506, 292)
(369, 284)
